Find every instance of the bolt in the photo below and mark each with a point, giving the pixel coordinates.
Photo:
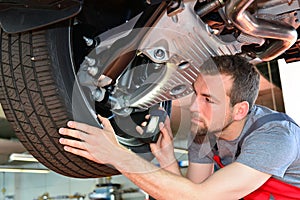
(159, 54)
(98, 95)
(90, 61)
(157, 66)
(89, 42)
(92, 71)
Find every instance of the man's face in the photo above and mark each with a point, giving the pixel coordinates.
(211, 111)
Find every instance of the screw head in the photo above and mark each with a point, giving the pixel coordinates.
(159, 54)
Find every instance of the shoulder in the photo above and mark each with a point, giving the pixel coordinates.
(261, 118)
(271, 148)
(262, 129)
(272, 133)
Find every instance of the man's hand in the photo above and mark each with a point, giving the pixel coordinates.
(163, 149)
(98, 145)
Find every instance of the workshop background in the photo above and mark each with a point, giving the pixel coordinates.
(277, 91)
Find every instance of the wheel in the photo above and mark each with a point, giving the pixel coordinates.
(40, 93)
(36, 97)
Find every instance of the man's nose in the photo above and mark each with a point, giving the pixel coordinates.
(194, 107)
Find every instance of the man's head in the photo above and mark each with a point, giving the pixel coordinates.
(225, 89)
(245, 77)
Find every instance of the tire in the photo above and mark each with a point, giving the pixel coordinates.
(37, 83)
(39, 91)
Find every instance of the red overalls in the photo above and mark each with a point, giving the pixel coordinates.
(275, 188)
(272, 187)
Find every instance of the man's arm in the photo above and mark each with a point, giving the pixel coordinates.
(232, 182)
(163, 150)
(198, 172)
(100, 145)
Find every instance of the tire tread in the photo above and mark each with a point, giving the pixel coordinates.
(33, 106)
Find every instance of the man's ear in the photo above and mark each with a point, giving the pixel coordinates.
(240, 110)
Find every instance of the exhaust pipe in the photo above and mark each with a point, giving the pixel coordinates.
(282, 34)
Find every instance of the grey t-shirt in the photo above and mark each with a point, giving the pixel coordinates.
(274, 148)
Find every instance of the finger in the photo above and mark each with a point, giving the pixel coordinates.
(72, 133)
(139, 129)
(147, 117)
(153, 147)
(167, 126)
(105, 122)
(79, 152)
(159, 140)
(161, 108)
(156, 147)
(144, 124)
(83, 127)
(167, 121)
(72, 143)
(165, 131)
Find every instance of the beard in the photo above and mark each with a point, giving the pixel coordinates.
(197, 130)
(200, 132)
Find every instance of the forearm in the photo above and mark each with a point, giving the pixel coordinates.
(157, 182)
(173, 167)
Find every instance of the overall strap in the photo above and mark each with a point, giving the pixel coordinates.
(260, 122)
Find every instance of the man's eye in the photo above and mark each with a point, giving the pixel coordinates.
(208, 100)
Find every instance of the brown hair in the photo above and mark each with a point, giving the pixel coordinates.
(245, 76)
